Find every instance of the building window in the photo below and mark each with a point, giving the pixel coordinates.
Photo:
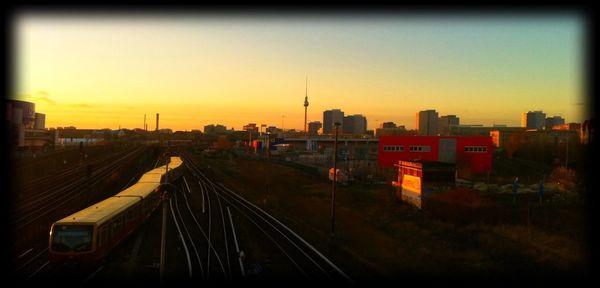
(475, 149)
(393, 148)
(414, 148)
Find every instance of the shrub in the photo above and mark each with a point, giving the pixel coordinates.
(566, 179)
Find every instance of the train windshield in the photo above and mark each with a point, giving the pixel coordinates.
(67, 238)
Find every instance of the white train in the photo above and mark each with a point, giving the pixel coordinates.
(88, 235)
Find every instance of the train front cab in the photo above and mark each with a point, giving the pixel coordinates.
(73, 242)
(87, 241)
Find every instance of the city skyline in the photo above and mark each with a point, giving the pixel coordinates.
(104, 72)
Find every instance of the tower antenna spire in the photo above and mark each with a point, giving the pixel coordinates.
(305, 110)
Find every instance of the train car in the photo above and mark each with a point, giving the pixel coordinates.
(153, 176)
(149, 193)
(175, 168)
(88, 235)
(157, 175)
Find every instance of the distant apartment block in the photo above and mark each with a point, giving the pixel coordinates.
(274, 130)
(26, 128)
(572, 127)
(251, 127)
(400, 130)
(21, 113)
(469, 130)
(569, 126)
(387, 125)
(533, 120)
(501, 134)
(40, 121)
(355, 124)
(445, 122)
(215, 128)
(313, 128)
(427, 123)
(329, 118)
(553, 121)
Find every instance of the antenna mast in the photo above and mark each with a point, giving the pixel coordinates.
(305, 105)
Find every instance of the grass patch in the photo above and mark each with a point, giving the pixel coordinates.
(461, 233)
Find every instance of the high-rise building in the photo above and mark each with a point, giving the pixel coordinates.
(385, 125)
(313, 128)
(553, 121)
(26, 128)
(329, 118)
(20, 112)
(40, 121)
(251, 127)
(427, 122)
(533, 120)
(274, 130)
(212, 128)
(354, 124)
(445, 122)
(398, 130)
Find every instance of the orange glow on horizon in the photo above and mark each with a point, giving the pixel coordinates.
(108, 72)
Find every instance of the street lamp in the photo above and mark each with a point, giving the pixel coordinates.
(269, 145)
(268, 167)
(337, 125)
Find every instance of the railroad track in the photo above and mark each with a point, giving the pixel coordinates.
(33, 263)
(60, 171)
(48, 200)
(56, 163)
(38, 192)
(196, 229)
(301, 256)
(207, 217)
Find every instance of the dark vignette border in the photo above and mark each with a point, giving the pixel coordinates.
(586, 13)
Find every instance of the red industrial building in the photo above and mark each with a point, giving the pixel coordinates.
(473, 152)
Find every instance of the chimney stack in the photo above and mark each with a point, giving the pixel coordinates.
(156, 122)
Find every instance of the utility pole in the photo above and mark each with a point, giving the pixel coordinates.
(268, 168)
(332, 232)
(567, 157)
(163, 239)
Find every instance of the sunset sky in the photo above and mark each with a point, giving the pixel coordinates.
(106, 71)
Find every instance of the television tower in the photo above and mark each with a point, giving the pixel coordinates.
(305, 109)
(306, 106)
